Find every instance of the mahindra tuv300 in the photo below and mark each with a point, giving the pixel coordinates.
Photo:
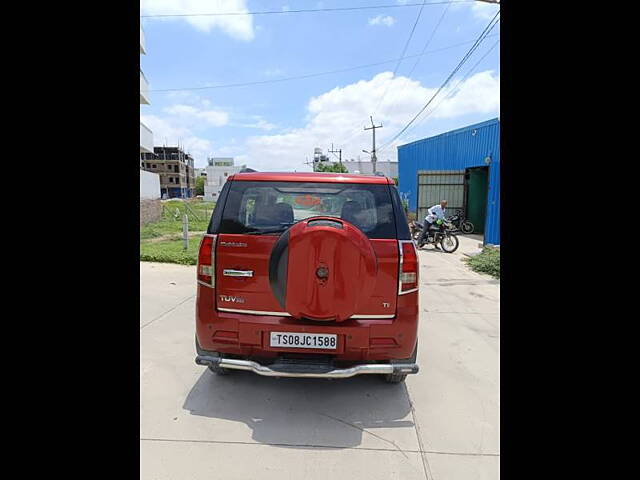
(308, 275)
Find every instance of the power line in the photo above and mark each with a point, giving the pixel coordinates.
(310, 75)
(426, 45)
(336, 151)
(454, 89)
(306, 10)
(404, 51)
(481, 37)
(424, 52)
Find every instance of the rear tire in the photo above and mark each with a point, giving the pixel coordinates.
(219, 370)
(467, 227)
(401, 377)
(215, 369)
(395, 377)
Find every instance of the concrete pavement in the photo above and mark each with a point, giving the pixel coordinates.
(442, 424)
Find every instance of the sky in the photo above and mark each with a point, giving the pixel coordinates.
(276, 126)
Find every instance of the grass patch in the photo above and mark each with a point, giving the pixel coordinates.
(162, 241)
(199, 213)
(168, 226)
(170, 251)
(486, 262)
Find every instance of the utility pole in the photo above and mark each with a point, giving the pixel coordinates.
(336, 151)
(373, 152)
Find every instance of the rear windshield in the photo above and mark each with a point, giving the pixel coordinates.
(271, 207)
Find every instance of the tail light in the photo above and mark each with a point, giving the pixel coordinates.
(206, 261)
(408, 267)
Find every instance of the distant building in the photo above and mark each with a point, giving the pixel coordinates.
(146, 135)
(217, 172)
(200, 172)
(461, 166)
(319, 157)
(176, 170)
(150, 208)
(386, 167)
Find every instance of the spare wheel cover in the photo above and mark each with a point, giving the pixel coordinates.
(322, 268)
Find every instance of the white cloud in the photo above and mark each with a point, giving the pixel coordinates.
(483, 10)
(386, 20)
(274, 72)
(338, 117)
(478, 94)
(239, 27)
(189, 113)
(259, 123)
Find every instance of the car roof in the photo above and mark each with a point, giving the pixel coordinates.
(310, 177)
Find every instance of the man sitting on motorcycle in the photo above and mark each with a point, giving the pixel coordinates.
(434, 213)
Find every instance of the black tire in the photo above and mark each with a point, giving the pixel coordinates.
(467, 227)
(449, 248)
(395, 377)
(401, 377)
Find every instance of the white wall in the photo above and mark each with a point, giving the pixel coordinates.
(211, 193)
(146, 139)
(390, 169)
(149, 185)
(216, 178)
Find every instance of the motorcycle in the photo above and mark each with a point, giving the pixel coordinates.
(461, 223)
(415, 228)
(440, 233)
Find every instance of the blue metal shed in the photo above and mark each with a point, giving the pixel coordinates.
(451, 155)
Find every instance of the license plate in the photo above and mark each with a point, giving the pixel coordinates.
(324, 341)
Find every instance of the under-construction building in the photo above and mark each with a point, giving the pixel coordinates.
(176, 170)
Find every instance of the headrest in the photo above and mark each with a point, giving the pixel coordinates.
(350, 211)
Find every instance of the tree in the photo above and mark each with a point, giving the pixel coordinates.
(200, 185)
(332, 167)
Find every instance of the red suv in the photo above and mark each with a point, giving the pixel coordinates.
(308, 275)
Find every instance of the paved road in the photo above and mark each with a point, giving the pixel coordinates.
(443, 424)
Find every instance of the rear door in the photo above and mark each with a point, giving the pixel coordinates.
(242, 274)
(257, 212)
(437, 185)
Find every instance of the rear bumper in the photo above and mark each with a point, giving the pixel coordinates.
(360, 341)
(255, 367)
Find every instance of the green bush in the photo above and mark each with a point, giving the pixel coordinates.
(200, 181)
(332, 167)
(486, 262)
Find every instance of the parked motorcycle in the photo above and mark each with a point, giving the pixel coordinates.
(415, 228)
(461, 223)
(440, 233)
